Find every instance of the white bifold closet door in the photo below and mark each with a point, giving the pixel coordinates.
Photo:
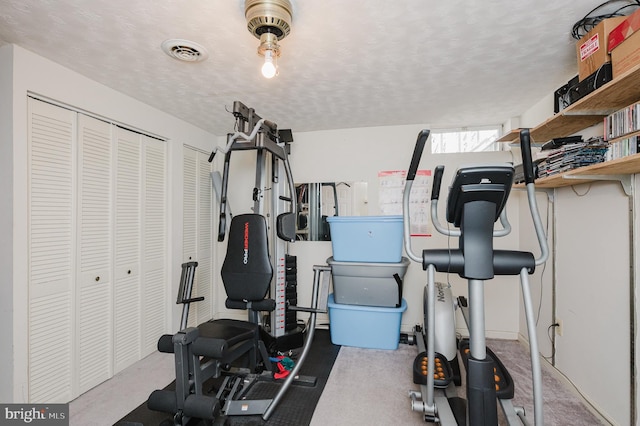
(52, 252)
(154, 244)
(126, 255)
(97, 250)
(197, 229)
(94, 300)
(139, 247)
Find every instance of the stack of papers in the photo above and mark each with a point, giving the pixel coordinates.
(571, 156)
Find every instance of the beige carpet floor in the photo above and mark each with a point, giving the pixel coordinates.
(371, 387)
(366, 387)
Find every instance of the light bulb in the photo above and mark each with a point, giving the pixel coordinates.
(269, 68)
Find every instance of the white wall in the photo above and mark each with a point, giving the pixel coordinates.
(35, 74)
(6, 221)
(537, 113)
(593, 292)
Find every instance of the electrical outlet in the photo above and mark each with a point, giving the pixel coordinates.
(559, 327)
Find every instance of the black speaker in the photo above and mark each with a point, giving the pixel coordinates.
(596, 80)
(561, 96)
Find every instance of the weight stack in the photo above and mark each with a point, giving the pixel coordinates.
(291, 292)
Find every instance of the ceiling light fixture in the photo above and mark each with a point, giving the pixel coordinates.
(269, 21)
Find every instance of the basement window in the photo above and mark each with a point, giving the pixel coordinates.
(478, 139)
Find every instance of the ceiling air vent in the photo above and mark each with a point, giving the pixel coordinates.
(184, 50)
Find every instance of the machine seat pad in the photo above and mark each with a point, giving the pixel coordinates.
(233, 331)
(261, 305)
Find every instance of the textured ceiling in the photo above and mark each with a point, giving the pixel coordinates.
(346, 63)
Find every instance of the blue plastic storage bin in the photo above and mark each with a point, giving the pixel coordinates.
(366, 238)
(365, 326)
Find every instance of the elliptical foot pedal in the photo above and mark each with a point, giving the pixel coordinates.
(442, 374)
(502, 378)
(459, 409)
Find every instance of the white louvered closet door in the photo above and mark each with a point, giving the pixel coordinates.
(197, 227)
(51, 136)
(126, 297)
(154, 243)
(94, 285)
(97, 250)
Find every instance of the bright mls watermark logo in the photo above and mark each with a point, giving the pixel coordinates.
(36, 414)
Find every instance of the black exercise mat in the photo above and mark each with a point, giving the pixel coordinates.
(295, 408)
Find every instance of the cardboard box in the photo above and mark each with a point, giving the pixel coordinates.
(624, 44)
(624, 30)
(592, 49)
(365, 326)
(626, 55)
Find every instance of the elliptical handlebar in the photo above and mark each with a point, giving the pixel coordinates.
(437, 181)
(411, 175)
(435, 195)
(417, 154)
(527, 162)
(529, 177)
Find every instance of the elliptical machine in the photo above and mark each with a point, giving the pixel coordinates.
(476, 201)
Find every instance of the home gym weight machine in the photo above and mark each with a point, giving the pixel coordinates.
(476, 200)
(210, 350)
(275, 200)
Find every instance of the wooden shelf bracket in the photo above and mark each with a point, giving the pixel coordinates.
(625, 180)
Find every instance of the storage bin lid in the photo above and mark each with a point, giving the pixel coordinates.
(392, 218)
(403, 264)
